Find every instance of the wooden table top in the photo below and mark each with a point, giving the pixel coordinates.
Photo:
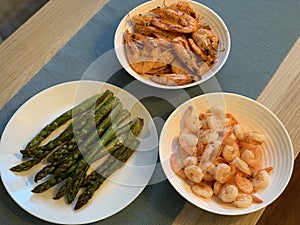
(18, 66)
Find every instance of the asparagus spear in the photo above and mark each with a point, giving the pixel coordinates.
(67, 134)
(79, 122)
(53, 180)
(26, 165)
(48, 169)
(95, 173)
(99, 178)
(63, 151)
(66, 116)
(115, 118)
(98, 146)
(110, 141)
(91, 139)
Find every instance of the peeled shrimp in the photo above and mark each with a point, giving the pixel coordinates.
(218, 112)
(209, 137)
(191, 120)
(242, 166)
(222, 173)
(251, 154)
(193, 173)
(188, 142)
(243, 200)
(230, 150)
(176, 166)
(209, 172)
(228, 193)
(190, 160)
(243, 184)
(261, 180)
(217, 188)
(203, 190)
(239, 132)
(255, 137)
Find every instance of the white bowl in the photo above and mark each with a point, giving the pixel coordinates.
(212, 18)
(277, 148)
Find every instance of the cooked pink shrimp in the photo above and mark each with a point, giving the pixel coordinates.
(209, 136)
(188, 142)
(230, 150)
(185, 7)
(262, 179)
(203, 190)
(209, 172)
(255, 137)
(174, 20)
(251, 154)
(243, 184)
(217, 188)
(243, 200)
(191, 120)
(190, 160)
(242, 166)
(193, 173)
(176, 167)
(239, 132)
(222, 173)
(228, 193)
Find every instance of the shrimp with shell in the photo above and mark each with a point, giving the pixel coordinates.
(173, 20)
(182, 63)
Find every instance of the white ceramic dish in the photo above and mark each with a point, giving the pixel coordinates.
(212, 18)
(278, 149)
(115, 194)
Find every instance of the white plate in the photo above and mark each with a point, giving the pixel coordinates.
(212, 18)
(278, 149)
(115, 194)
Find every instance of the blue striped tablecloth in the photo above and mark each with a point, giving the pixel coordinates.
(262, 32)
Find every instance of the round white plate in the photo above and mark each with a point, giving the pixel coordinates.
(278, 149)
(208, 15)
(115, 194)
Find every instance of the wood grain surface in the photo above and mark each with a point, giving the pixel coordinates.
(26, 51)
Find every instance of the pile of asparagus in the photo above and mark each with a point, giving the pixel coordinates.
(94, 130)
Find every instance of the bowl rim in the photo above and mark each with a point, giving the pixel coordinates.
(121, 56)
(172, 179)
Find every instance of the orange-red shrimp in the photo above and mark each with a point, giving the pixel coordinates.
(174, 20)
(243, 183)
